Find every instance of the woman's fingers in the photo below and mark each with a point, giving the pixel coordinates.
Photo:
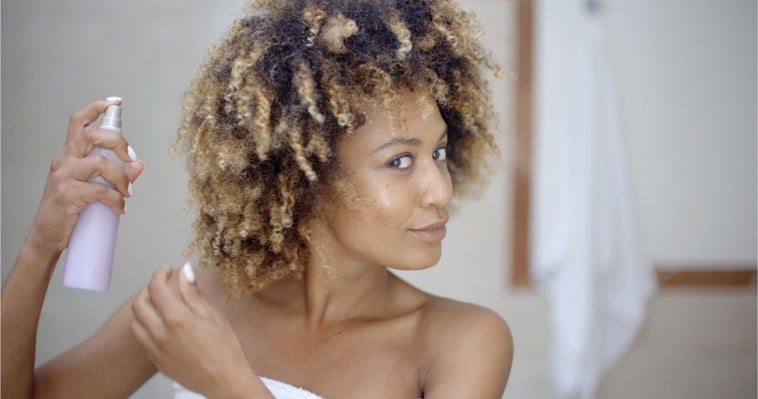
(165, 296)
(81, 144)
(73, 161)
(175, 296)
(189, 290)
(68, 189)
(134, 169)
(99, 165)
(185, 337)
(82, 136)
(160, 315)
(103, 138)
(146, 324)
(91, 192)
(71, 186)
(85, 116)
(145, 313)
(151, 313)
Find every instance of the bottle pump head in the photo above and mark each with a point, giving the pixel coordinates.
(112, 117)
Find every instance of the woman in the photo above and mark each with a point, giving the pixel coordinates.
(324, 140)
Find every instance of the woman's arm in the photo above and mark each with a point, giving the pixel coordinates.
(110, 364)
(66, 193)
(22, 297)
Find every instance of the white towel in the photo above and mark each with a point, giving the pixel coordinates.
(280, 390)
(587, 255)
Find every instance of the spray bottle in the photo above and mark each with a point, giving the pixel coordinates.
(89, 259)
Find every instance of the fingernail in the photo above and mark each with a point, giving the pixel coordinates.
(125, 209)
(132, 154)
(189, 273)
(113, 98)
(130, 189)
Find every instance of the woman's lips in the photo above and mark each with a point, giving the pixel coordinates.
(433, 233)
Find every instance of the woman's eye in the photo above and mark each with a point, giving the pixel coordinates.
(401, 162)
(440, 154)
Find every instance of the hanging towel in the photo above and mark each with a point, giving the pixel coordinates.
(587, 255)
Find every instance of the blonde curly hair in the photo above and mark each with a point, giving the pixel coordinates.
(261, 121)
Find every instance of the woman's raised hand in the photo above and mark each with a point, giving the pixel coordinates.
(68, 190)
(66, 193)
(189, 340)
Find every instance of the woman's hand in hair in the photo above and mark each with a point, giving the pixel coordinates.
(189, 340)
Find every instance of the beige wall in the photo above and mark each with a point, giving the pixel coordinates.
(56, 56)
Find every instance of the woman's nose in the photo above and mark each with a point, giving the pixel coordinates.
(437, 186)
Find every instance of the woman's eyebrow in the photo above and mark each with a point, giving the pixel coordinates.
(399, 140)
(414, 141)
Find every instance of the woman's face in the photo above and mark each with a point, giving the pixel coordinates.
(400, 187)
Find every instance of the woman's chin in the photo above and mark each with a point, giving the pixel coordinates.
(422, 261)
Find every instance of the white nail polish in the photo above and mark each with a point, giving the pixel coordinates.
(125, 209)
(113, 98)
(189, 273)
(132, 154)
(130, 189)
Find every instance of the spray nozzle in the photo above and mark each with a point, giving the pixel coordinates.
(112, 117)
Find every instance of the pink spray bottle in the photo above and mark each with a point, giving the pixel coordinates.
(89, 259)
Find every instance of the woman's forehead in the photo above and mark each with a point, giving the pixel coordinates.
(410, 111)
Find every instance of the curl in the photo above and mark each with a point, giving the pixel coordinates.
(337, 29)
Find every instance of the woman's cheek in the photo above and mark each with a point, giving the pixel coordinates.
(389, 199)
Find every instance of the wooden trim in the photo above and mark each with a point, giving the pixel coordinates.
(523, 146)
(711, 277)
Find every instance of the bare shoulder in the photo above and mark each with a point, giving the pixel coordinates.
(455, 313)
(468, 350)
(446, 321)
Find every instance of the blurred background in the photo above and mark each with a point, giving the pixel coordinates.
(684, 74)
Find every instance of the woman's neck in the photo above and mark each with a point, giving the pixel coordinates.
(333, 293)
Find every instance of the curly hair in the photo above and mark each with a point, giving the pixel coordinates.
(261, 121)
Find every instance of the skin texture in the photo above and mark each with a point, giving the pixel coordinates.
(349, 328)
